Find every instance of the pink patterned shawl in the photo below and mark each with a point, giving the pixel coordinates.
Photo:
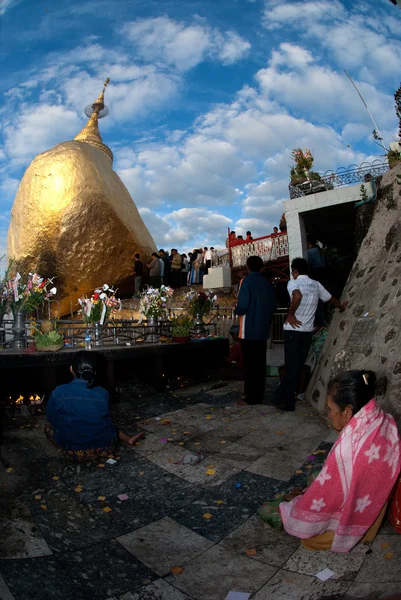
(354, 484)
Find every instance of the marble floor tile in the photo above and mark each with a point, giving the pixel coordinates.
(278, 463)
(38, 579)
(331, 437)
(345, 566)
(293, 586)
(150, 444)
(239, 454)
(372, 591)
(106, 569)
(164, 544)
(194, 473)
(228, 504)
(272, 547)
(265, 439)
(5, 593)
(219, 570)
(378, 566)
(157, 590)
(19, 535)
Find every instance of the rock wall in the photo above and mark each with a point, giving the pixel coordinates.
(367, 335)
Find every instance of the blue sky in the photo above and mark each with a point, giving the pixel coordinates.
(207, 99)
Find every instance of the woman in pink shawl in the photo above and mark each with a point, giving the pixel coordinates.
(348, 499)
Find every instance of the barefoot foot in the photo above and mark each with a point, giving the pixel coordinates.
(136, 438)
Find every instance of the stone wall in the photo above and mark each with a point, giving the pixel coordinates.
(368, 334)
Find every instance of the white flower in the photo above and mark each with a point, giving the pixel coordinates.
(103, 296)
(97, 291)
(362, 503)
(53, 291)
(373, 453)
(317, 504)
(323, 476)
(391, 457)
(105, 287)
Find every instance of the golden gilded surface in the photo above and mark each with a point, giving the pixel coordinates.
(73, 218)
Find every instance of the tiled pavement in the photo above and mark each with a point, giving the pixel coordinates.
(57, 541)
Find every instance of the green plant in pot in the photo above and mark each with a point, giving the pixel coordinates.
(181, 328)
(393, 158)
(47, 339)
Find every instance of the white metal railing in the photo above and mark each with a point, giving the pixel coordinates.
(268, 248)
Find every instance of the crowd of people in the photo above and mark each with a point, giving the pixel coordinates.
(173, 269)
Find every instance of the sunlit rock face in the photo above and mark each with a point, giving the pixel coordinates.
(73, 218)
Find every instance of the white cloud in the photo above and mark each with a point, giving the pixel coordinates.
(318, 92)
(353, 38)
(6, 5)
(163, 40)
(37, 129)
(187, 228)
(301, 13)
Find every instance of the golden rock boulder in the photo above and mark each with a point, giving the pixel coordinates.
(73, 218)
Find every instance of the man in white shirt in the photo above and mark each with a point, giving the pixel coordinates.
(208, 259)
(305, 294)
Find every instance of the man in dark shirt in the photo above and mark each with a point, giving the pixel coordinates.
(256, 305)
(138, 270)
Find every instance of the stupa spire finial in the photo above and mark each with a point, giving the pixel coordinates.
(90, 133)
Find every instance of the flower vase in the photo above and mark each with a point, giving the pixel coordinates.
(19, 340)
(98, 334)
(152, 326)
(199, 324)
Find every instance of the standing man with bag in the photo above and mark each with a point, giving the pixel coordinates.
(256, 305)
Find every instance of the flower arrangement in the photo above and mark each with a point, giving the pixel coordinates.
(25, 293)
(303, 163)
(102, 305)
(199, 303)
(303, 159)
(46, 336)
(181, 326)
(153, 302)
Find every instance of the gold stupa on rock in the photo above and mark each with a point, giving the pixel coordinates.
(73, 218)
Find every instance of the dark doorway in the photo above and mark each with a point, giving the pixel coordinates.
(334, 227)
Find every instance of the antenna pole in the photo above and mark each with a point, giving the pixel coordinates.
(365, 105)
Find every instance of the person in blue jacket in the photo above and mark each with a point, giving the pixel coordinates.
(78, 414)
(255, 307)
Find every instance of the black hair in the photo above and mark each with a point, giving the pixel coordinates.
(211, 247)
(352, 388)
(155, 255)
(239, 237)
(300, 265)
(232, 233)
(161, 250)
(84, 366)
(248, 233)
(137, 255)
(275, 228)
(254, 264)
(311, 239)
(205, 248)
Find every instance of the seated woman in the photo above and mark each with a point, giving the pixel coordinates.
(78, 414)
(347, 501)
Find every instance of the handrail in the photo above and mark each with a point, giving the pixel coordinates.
(342, 176)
